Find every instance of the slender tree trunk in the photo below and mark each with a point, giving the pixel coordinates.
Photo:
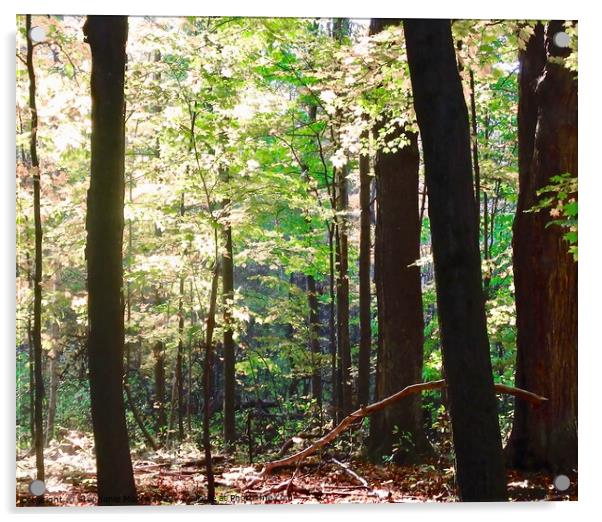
(107, 36)
(37, 279)
(159, 355)
(443, 121)
(332, 341)
(53, 370)
(32, 386)
(545, 274)
(475, 142)
(399, 295)
(180, 353)
(363, 391)
(190, 343)
(229, 350)
(314, 342)
(207, 385)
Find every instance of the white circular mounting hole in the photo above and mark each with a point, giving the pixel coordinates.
(37, 34)
(37, 488)
(562, 482)
(561, 39)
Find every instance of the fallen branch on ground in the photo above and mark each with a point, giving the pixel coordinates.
(365, 411)
(350, 472)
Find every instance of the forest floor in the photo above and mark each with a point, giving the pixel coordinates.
(164, 478)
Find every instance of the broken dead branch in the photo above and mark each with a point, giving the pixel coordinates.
(350, 472)
(366, 411)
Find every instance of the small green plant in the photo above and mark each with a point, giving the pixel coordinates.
(560, 198)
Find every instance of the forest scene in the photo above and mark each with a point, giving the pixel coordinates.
(295, 260)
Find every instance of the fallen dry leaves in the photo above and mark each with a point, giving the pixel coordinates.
(178, 478)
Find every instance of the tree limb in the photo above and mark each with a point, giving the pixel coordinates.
(352, 418)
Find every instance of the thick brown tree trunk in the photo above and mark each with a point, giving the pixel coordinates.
(342, 283)
(229, 350)
(443, 121)
(399, 295)
(107, 36)
(314, 342)
(545, 275)
(363, 388)
(37, 275)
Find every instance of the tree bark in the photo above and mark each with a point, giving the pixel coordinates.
(399, 294)
(229, 350)
(180, 352)
(159, 355)
(399, 297)
(342, 283)
(37, 276)
(107, 36)
(363, 390)
(207, 384)
(314, 342)
(443, 121)
(53, 370)
(332, 334)
(545, 274)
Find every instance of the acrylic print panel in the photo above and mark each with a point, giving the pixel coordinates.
(228, 231)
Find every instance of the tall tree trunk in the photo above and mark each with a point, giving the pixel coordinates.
(190, 344)
(229, 350)
(53, 370)
(314, 342)
(475, 142)
(37, 276)
(332, 340)
(32, 386)
(107, 36)
(399, 294)
(443, 121)
(180, 352)
(363, 390)
(342, 282)
(545, 275)
(207, 385)
(159, 355)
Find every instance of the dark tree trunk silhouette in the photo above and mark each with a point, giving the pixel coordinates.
(443, 121)
(545, 274)
(37, 274)
(107, 36)
(399, 294)
(363, 388)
